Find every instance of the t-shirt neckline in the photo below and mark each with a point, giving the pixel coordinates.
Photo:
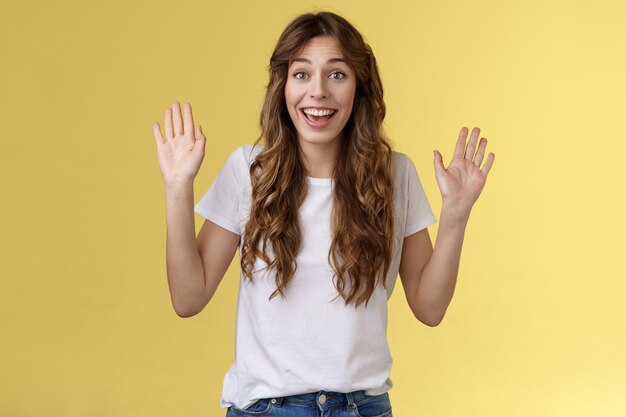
(320, 181)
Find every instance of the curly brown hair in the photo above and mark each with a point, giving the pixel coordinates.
(362, 220)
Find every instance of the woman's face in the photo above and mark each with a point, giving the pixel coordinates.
(319, 92)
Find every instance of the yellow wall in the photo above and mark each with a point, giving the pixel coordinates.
(537, 325)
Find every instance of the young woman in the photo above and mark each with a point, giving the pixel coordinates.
(325, 214)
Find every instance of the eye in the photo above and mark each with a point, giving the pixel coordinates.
(340, 75)
(299, 75)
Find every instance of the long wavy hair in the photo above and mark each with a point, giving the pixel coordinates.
(362, 220)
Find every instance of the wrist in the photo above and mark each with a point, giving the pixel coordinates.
(178, 188)
(454, 216)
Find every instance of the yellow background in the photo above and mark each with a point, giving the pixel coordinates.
(537, 325)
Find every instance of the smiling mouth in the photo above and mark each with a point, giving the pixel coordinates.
(318, 116)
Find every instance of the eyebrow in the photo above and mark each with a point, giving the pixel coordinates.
(330, 61)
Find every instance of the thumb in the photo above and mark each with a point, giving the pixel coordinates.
(200, 138)
(438, 162)
(200, 133)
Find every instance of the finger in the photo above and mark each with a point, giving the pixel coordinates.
(481, 152)
(460, 143)
(178, 120)
(157, 134)
(188, 119)
(438, 162)
(200, 139)
(488, 163)
(200, 133)
(471, 146)
(169, 132)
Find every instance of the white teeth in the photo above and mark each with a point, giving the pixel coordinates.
(315, 112)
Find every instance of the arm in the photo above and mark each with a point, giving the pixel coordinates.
(429, 276)
(185, 272)
(195, 266)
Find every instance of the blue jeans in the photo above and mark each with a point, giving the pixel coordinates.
(319, 404)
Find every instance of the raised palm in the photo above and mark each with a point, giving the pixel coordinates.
(180, 156)
(463, 180)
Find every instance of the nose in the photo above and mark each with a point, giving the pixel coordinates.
(318, 88)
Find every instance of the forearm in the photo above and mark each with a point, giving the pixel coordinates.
(185, 272)
(438, 279)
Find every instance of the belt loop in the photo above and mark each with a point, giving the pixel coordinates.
(350, 400)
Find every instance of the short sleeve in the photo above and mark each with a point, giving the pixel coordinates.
(219, 203)
(419, 213)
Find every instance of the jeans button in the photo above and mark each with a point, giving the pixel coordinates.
(322, 399)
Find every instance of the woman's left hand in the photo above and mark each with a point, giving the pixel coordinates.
(461, 183)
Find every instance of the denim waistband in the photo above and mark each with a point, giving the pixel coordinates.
(327, 398)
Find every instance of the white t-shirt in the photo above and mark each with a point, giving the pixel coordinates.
(306, 342)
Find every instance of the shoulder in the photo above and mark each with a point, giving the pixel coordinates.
(401, 164)
(399, 159)
(237, 166)
(245, 154)
(405, 172)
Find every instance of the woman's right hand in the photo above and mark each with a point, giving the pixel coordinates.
(180, 156)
